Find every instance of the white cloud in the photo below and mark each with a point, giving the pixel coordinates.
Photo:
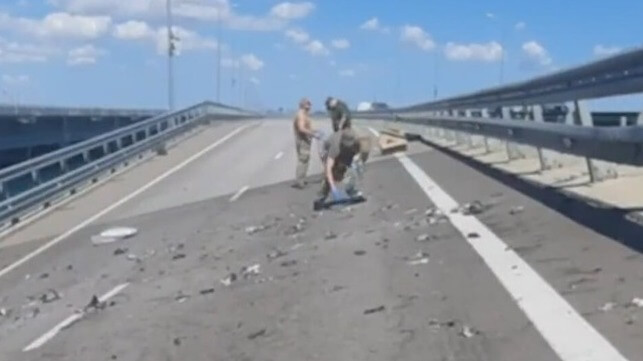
(490, 15)
(9, 79)
(58, 25)
(417, 36)
(373, 24)
(341, 44)
(205, 10)
(84, 55)
(288, 10)
(133, 30)
(347, 73)
(255, 81)
(602, 50)
(297, 36)
(536, 53)
(13, 52)
(316, 48)
(521, 25)
(252, 62)
(489, 52)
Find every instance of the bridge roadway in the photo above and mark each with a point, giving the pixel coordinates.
(336, 285)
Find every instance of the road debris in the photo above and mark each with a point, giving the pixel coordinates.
(468, 331)
(330, 235)
(336, 288)
(250, 271)
(44, 275)
(70, 267)
(276, 254)
(94, 305)
(516, 210)
(608, 306)
(120, 251)
(473, 235)
(418, 259)
(50, 296)
(411, 211)
(132, 257)
(575, 284)
(637, 302)
(181, 297)
(433, 323)
(232, 277)
(4, 312)
(250, 230)
(423, 238)
(178, 256)
(177, 341)
(469, 209)
(374, 310)
(257, 334)
(289, 263)
(359, 252)
(435, 215)
(112, 235)
(207, 291)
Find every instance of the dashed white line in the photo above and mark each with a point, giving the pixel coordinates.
(239, 193)
(279, 155)
(120, 202)
(570, 336)
(71, 320)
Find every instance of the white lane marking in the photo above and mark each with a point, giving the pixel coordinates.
(122, 201)
(70, 320)
(567, 332)
(279, 155)
(375, 132)
(239, 193)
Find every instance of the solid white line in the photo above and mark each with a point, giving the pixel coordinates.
(119, 203)
(70, 320)
(279, 155)
(375, 132)
(239, 193)
(567, 332)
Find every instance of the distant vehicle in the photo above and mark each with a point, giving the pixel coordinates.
(367, 106)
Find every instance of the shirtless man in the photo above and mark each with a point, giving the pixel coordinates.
(304, 135)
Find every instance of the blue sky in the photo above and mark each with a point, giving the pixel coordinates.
(111, 52)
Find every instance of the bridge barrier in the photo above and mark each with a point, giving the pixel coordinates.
(35, 184)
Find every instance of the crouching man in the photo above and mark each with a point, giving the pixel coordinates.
(342, 146)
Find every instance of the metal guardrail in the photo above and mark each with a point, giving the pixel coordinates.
(34, 110)
(36, 182)
(619, 75)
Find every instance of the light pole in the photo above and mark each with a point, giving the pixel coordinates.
(219, 54)
(170, 57)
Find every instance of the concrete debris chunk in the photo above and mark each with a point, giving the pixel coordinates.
(468, 331)
(469, 209)
(276, 254)
(608, 306)
(4, 312)
(637, 302)
(50, 296)
(330, 235)
(433, 323)
(120, 251)
(370, 311)
(232, 277)
(250, 271)
(423, 238)
(359, 252)
(95, 304)
(207, 291)
(419, 258)
(473, 235)
(178, 256)
(516, 210)
(257, 334)
(290, 263)
(112, 235)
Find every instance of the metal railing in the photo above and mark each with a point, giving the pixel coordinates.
(35, 183)
(474, 113)
(36, 110)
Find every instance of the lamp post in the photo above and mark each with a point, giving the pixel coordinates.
(171, 48)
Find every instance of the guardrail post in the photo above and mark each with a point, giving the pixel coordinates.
(583, 116)
(639, 120)
(485, 114)
(512, 151)
(468, 136)
(537, 116)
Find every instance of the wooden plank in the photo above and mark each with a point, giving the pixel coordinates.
(389, 144)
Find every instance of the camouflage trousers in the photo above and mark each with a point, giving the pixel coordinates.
(302, 146)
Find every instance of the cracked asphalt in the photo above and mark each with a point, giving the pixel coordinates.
(264, 277)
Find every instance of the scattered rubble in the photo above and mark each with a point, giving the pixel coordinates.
(178, 256)
(637, 302)
(94, 305)
(473, 235)
(232, 277)
(330, 235)
(435, 216)
(423, 238)
(608, 306)
(288, 263)
(4, 312)
(207, 291)
(359, 252)
(44, 276)
(50, 296)
(177, 341)
(469, 209)
(120, 251)
(257, 334)
(433, 323)
(418, 259)
(516, 210)
(468, 331)
(375, 310)
(250, 271)
(113, 235)
(276, 254)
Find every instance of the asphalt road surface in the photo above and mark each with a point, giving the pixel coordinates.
(445, 261)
